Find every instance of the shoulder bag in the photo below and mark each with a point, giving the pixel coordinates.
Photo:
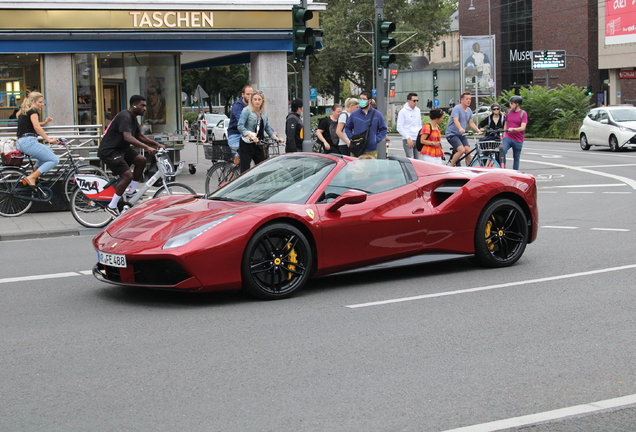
(358, 142)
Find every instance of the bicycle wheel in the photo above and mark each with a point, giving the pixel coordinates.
(218, 174)
(69, 181)
(88, 212)
(10, 204)
(485, 162)
(174, 189)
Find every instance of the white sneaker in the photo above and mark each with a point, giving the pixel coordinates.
(114, 212)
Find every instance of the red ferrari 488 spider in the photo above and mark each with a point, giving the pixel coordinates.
(301, 215)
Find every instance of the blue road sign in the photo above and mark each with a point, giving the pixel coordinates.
(374, 93)
(436, 103)
(313, 93)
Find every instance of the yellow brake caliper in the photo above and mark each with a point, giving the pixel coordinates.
(487, 233)
(293, 257)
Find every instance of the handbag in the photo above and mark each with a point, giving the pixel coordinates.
(358, 142)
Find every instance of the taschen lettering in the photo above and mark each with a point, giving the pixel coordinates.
(172, 19)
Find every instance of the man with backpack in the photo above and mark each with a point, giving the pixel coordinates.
(516, 121)
(409, 124)
(323, 132)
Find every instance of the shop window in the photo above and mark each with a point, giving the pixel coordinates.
(19, 75)
(86, 90)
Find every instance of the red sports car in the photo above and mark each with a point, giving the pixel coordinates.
(305, 214)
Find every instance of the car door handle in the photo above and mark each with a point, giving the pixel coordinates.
(418, 210)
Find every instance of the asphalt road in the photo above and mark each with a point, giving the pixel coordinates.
(425, 345)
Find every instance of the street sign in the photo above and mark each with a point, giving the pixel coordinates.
(393, 74)
(374, 92)
(548, 59)
(436, 103)
(313, 93)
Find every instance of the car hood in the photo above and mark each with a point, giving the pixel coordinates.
(627, 124)
(163, 218)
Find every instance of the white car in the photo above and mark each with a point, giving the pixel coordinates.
(612, 126)
(219, 132)
(212, 120)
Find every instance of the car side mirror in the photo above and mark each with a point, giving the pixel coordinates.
(349, 197)
(604, 121)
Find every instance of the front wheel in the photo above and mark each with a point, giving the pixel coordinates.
(89, 212)
(11, 188)
(501, 234)
(219, 174)
(613, 143)
(583, 142)
(485, 162)
(174, 189)
(276, 262)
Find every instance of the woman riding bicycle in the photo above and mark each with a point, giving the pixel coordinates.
(496, 120)
(29, 128)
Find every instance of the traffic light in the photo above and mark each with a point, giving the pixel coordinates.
(589, 90)
(301, 33)
(545, 55)
(434, 74)
(384, 43)
(435, 91)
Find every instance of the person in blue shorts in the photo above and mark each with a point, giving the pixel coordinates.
(461, 116)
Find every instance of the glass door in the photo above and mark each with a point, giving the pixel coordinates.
(114, 99)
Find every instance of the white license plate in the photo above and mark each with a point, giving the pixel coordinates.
(111, 259)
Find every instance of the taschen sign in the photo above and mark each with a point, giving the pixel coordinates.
(627, 74)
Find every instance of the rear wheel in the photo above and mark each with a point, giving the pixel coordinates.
(485, 162)
(501, 234)
(174, 189)
(88, 212)
(10, 190)
(69, 182)
(613, 143)
(218, 174)
(583, 142)
(276, 262)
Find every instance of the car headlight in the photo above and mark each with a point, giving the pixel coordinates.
(624, 129)
(188, 236)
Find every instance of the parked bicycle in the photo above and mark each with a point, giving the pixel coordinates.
(226, 168)
(487, 153)
(93, 194)
(16, 198)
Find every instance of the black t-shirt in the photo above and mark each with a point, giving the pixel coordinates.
(113, 141)
(324, 126)
(24, 123)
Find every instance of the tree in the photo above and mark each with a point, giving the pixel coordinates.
(228, 81)
(347, 40)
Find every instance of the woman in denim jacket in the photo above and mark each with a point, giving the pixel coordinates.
(253, 125)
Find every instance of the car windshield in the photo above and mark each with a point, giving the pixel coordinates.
(284, 179)
(624, 115)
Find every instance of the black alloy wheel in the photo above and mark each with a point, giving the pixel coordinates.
(276, 262)
(501, 234)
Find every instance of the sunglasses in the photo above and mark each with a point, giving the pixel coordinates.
(495, 109)
(415, 100)
(258, 92)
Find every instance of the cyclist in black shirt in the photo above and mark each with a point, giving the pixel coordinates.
(116, 153)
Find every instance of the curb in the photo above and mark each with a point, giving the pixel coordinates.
(49, 234)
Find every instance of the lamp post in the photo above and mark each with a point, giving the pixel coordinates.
(295, 80)
(473, 8)
(371, 23)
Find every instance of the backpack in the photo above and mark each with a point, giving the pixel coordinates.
(418, 144)
(335, 139)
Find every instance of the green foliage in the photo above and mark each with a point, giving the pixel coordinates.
(552, 113)
(228, 81)
(190, 117)
(442, 125)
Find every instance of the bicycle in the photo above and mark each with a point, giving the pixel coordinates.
(16, 198)
(93, 194)
(226, 167)
(487, 153)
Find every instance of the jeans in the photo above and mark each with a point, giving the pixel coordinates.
(410, 152)
(234, 142)
(516, 151)
(45, 158)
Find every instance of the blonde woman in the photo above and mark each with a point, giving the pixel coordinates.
(253, 126)
(351, 104)
(29, 128)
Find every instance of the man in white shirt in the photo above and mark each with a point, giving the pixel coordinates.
(409, 125)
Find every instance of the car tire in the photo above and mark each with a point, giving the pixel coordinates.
(501, 234)
(613, 143)
(583, 142)
(277, 262)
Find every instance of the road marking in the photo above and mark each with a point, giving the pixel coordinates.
(610, 229)
(608, 166)
(625, 180)
(559, 227)
(604, 405)
(584, 186)
(491, 287)
(581, 192)
(623, 193)
(45, 276)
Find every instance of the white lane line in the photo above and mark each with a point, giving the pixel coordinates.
(584, 186)
(581, 192)
(622, 193)
(41, 277)
(491, 287)
(559, 227)
(610, 229)
(628, 181)
(546, 416)
(86, 272)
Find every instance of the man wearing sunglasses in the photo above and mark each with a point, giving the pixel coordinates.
(409, 123)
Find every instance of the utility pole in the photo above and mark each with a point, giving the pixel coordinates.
(381, 78)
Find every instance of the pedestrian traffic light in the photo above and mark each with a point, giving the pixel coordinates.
(384, 43)
(434, 74)
(301, 33)
(435, 91)
(589, 90)
(545, 55)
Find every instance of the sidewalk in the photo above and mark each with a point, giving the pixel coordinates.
(62, 223)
